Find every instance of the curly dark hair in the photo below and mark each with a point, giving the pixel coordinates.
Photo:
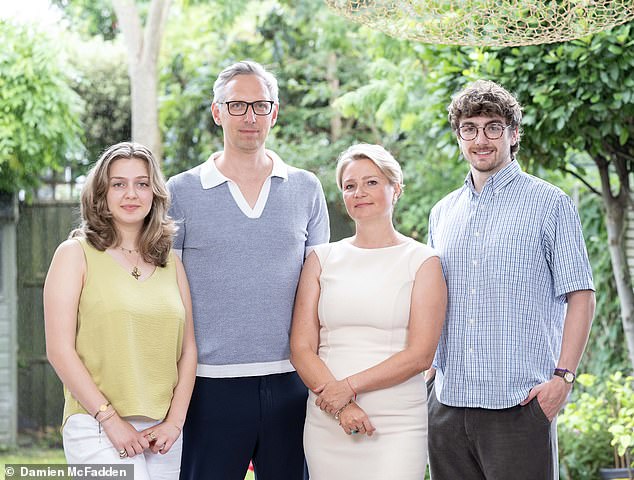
(488, 99)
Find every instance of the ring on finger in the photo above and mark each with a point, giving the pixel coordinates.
(123, 453)
(152, 436)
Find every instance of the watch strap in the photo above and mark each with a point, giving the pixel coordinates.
(568, 375)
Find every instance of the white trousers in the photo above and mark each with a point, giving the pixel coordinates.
(84, 445)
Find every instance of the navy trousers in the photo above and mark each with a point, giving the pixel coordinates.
(231, 421)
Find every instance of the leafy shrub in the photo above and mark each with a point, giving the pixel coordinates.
(596, 428)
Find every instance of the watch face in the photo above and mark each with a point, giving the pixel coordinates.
(569, 377)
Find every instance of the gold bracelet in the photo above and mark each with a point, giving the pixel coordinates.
(102, 408)
(353, 390)
(338, 412)
(106, 417)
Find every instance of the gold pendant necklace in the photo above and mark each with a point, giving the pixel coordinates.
(136, 272)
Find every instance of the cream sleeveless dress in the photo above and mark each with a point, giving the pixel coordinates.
(364, 313)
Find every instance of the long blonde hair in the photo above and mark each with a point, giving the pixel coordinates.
(97, 223)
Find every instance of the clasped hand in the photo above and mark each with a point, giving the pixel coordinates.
(125, 438)
(333, 395)
(162, 436)
(353, 420)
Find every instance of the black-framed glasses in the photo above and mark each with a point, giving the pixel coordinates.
(259, 107)
(492, 131)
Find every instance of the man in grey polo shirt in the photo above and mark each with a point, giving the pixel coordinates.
(246, 222)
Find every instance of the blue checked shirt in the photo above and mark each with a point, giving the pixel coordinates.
(510, 254)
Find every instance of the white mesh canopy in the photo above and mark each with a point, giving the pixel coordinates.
(487, 22)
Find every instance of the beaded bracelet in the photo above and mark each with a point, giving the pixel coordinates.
(338, 412)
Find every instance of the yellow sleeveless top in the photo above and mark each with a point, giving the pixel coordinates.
(129, 335)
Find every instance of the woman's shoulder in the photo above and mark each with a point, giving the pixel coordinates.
(69, 255)
(421, 248)
(72, 246)
(323, 250)
(417, 253)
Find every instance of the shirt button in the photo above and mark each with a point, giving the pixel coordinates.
(475, 263)
(477, 234)
(471, 350)
(473, 291)
(471, 321)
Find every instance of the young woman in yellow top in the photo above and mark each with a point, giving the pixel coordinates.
(119, 329)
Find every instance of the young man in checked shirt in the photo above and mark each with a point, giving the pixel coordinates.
(520, 305)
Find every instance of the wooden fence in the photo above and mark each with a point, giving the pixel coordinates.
(40, 229)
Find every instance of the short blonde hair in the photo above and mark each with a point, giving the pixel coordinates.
(377, 155)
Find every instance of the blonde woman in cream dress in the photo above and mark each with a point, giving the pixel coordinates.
(368, 315)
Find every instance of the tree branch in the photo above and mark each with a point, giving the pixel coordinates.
(604, 174)
(621, 166)
(154, 30)
(581, 179)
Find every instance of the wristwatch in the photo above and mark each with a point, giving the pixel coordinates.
(567, 375)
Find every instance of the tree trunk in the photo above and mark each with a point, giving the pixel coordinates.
(616, 221)
(143, 47)
(629, 240)
(144, 101)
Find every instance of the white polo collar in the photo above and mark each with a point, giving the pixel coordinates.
(211, 177)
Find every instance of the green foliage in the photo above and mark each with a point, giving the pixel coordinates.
(596, 428)
(199, 42)
(37, 454)
(39, 124)
(296, 40)
(577, 96)
(90, 17)
(622, 423)
(606, 351)
(404, 102)
(106, 113)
